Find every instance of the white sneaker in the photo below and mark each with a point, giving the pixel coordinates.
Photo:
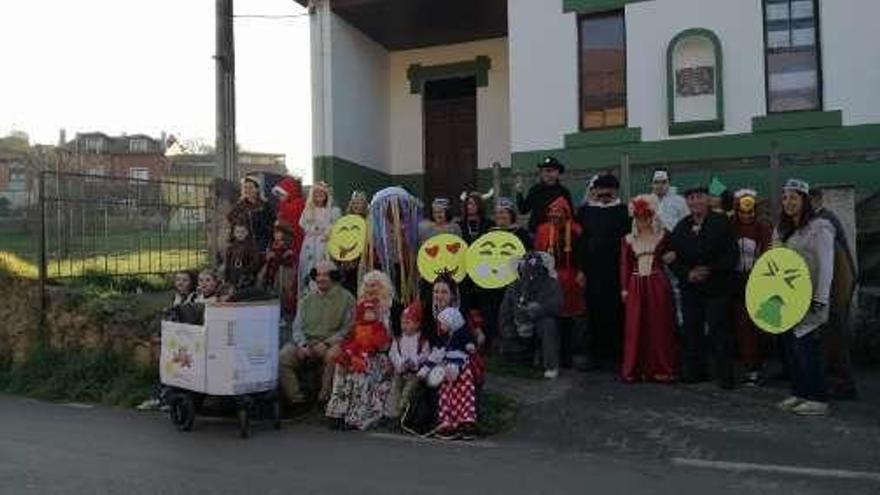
(811, 408)
(149, 405)
(790, 403)
(551, 374)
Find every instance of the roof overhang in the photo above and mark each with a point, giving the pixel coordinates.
(407, 24)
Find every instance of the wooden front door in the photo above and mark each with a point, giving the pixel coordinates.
(450, 127)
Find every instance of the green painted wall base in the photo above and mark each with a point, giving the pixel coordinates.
(739, 159)
(793, 121)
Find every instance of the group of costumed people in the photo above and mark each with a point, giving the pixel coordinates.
(652, 288)
(662, 282)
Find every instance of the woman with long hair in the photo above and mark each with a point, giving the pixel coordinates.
(252, 211)
(316, 221)
(811, 236)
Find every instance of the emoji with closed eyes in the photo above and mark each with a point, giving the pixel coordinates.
(347, 238)
(443, 253)
(490, 259)
(779, 291)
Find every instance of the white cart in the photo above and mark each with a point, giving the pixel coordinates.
(233, 355)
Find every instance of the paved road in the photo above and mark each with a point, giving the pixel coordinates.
(595, 413)
(53, 448)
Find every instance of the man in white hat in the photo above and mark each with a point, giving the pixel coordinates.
(673, 208)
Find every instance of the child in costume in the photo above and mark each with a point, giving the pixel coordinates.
(650, 351)
(559, 236)
(457, 414)
(368, 337)
(183, 307)
(242, 261)
(281, 269)
(408, 353)
(753, 237)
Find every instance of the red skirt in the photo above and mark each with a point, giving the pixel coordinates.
(458, 403)
(650, 350)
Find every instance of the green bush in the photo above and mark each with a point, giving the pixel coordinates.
(82, 376)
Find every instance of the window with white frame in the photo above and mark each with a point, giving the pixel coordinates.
(138, 146)
(794, 70)
(95, 144)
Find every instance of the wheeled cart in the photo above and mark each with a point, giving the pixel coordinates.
(233, 356)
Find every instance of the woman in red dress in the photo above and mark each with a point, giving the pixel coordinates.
(650, 352)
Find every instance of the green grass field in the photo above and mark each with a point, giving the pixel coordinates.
(117, 254)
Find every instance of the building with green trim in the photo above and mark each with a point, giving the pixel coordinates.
(431, 94)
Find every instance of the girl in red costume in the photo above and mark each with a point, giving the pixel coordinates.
(650, 351)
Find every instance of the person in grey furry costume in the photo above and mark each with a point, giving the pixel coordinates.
(529, 311)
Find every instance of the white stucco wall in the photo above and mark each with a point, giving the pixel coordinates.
(851, 59)
(360, 96)
(543, 74)
(650, 26)
(493, 116)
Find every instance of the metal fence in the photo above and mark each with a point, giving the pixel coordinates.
(120, 226)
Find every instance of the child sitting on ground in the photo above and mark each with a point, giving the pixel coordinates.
(457, 413)
(408, 353)
(369, 337)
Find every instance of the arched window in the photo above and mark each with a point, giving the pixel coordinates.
(695, 83)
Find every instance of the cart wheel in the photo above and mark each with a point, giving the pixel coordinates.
(244, 421)
(183, 412)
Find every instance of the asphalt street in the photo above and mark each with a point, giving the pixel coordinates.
(70, 448)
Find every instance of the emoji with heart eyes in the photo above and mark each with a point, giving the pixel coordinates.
(347, 238)
(443, 253)
(490, 259)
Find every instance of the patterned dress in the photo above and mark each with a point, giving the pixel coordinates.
(360, 398)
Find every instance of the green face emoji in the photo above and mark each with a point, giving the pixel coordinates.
(779, 290)
(347, 238)
(490, 259)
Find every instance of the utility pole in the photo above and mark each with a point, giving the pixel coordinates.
(226, 152)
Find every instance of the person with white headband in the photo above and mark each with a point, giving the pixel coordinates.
(673, 207)
(811, 236)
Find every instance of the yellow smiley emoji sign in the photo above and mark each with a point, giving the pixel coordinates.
(347, 238)
(443, 253)
(779, 291)
(490, 259)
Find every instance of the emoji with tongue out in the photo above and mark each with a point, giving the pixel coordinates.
(347, 238)
(443, 253)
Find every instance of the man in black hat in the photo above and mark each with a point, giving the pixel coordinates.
(706, 257)
(605, 222)
(543, 193)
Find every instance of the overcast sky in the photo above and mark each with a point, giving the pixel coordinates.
(143, 67)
